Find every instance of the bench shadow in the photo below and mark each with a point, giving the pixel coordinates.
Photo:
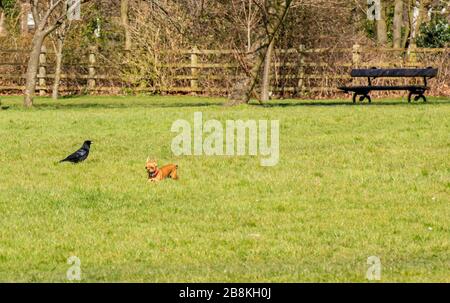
(345, 103)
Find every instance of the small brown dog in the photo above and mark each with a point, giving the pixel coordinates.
(156, 174)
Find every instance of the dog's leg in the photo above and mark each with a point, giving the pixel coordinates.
(174, 174)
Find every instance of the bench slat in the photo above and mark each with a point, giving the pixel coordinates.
(395, 72)
(378, 87)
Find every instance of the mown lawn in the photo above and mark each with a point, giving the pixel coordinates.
(352, 182)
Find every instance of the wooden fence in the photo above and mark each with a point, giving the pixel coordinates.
(295, 71)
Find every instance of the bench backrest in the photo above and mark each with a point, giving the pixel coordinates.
(395, 72)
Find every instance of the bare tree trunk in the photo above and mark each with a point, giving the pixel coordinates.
(398, 21)
(249, 37)
(416, 20)
(249, 27)
(46, 22)
(260, 56)
(3, 31)
(58, 45)
(57, 80)
(381, 26)
(32, 69)
(407, 22)
(266, 73)
(124, 17)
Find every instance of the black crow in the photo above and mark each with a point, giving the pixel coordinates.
(80, 155)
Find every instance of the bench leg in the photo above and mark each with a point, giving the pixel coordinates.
(419, 95)
(366, 96)
(362, 97)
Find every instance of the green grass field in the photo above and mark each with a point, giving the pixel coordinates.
(352, 182)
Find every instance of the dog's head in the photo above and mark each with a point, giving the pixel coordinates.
(151, 166)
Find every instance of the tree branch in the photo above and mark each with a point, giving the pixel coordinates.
(50, 11)
(34, 11)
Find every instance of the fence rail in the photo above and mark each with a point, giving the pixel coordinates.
(296, 71)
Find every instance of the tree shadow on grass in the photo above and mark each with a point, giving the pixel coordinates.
(71, 103)
(112, 105)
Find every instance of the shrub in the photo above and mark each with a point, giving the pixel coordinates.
(435, 34)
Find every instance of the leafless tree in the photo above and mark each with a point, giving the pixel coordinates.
(48, 15)
(273, 15)
(58, 39)
(2, 21)
(124, 8)
(398, 22)
(382, 37)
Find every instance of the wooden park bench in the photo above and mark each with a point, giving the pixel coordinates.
(373, 73)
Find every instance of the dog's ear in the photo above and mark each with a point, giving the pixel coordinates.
(148, 159)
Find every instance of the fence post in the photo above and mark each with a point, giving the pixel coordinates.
(412, 53)
(92, 62)
(42, 71)
(356, 55)
(194, 69)
(301, 79)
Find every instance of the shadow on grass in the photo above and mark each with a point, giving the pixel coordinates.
(346, 103)
(71, 102)
(105, 105)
